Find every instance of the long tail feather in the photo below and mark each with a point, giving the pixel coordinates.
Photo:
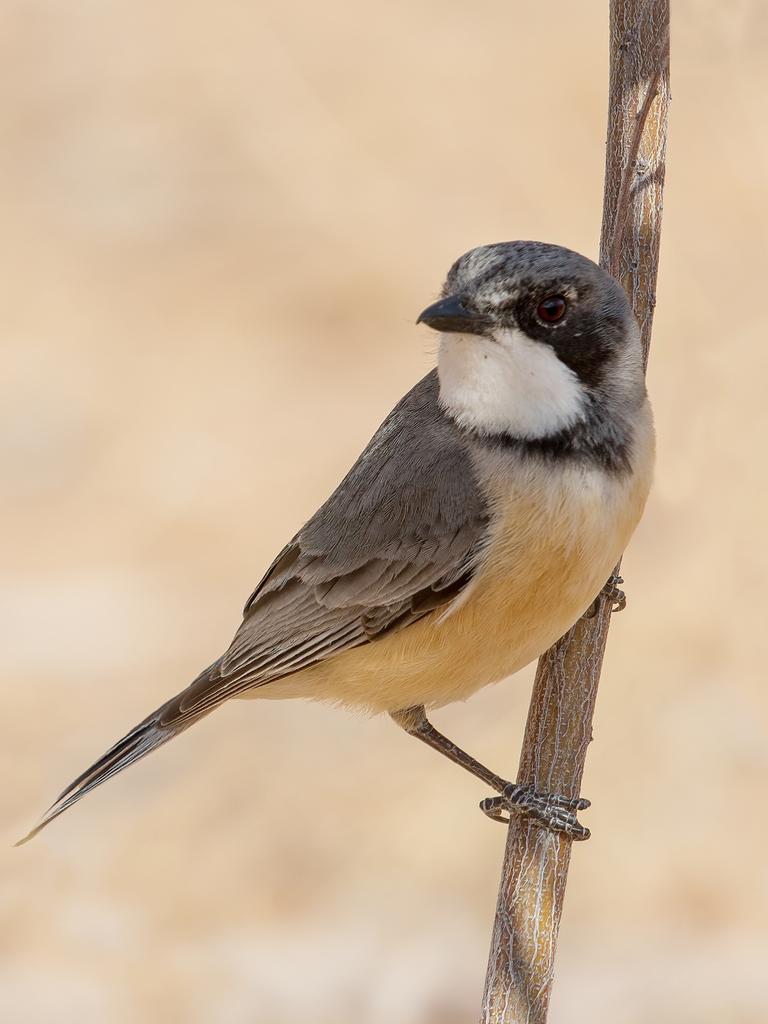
(162, 725)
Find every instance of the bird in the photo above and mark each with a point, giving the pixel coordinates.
(481, 521)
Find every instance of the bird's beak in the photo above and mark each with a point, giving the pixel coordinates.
(451, 316)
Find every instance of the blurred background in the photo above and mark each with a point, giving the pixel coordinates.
(219, 222)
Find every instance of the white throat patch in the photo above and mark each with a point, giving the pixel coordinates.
(508, 384)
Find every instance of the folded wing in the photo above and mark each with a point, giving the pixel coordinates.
(400, 536)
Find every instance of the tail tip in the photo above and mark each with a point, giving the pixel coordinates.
(30, 835)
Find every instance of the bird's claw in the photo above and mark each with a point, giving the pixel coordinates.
(550, 810)
(613, 593)
(612, 590)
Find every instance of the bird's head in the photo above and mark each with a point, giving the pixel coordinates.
(531, 336)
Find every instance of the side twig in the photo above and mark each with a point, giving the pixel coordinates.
(559, 726)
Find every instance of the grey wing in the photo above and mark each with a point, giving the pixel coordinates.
(400, 536)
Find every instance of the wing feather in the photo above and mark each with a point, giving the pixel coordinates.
(401, 536)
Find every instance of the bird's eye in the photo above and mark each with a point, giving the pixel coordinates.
(551, 309)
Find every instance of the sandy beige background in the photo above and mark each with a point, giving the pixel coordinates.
(219, 221)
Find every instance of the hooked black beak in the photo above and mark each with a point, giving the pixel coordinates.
(451, 316)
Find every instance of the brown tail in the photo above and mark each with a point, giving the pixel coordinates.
(162, 725)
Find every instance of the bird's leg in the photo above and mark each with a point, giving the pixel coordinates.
(415, 722)
(555, 812)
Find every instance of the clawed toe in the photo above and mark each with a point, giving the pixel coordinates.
(613, 593)
(492, 806)
(612, 590)
(578, 803)
(550, 810)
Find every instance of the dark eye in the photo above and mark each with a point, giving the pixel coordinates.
(551, 309)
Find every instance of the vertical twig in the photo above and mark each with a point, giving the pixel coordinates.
(559, 726)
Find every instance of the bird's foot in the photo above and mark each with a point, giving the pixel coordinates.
(613, 593)
(550, 810)
(612, 590)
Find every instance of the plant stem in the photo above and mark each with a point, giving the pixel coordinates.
(559, 726)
